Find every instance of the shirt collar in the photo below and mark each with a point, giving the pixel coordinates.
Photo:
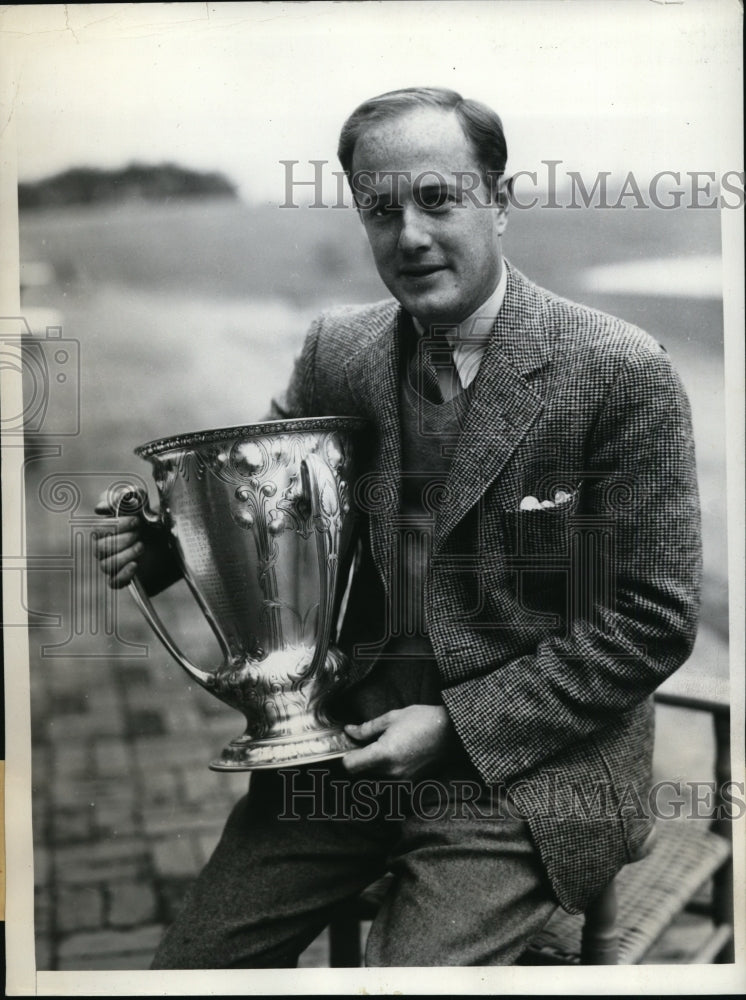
(468, 339)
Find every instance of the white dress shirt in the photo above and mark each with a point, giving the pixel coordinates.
(468, 339)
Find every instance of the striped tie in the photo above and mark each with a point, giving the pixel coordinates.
(435, 374)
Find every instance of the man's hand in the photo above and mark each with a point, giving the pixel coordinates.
(127, 544)
(403, 743)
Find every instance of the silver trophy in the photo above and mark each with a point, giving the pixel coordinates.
(261, 521)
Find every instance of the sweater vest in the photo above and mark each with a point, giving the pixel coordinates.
(407, 671)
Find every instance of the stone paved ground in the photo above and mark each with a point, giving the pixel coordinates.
(126, 811)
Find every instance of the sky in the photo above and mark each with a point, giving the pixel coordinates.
(624, 85)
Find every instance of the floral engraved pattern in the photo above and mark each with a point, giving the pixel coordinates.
(266, 510)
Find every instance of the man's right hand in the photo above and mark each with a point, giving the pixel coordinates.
(129, 544)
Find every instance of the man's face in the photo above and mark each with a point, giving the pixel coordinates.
(440, 262)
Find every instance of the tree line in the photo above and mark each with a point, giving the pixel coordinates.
(91, 185)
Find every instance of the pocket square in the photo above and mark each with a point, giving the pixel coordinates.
(533, 503)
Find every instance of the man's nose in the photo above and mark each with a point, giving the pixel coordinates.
(415, 233)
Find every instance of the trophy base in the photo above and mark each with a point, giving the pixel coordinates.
(246, 754)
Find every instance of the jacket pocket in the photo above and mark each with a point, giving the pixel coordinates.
(538, 556)
(544, 531)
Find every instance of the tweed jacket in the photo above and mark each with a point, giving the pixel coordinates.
(550, 627)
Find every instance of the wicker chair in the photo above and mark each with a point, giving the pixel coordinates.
(624, 922)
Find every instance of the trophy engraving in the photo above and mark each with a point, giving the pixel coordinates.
(261, 520)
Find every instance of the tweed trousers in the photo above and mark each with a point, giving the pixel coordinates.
(468, 886)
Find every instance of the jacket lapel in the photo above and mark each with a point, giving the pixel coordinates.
(504, 405)
(372, 374)
(503, 408)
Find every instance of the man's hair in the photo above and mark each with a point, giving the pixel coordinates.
(481, 125)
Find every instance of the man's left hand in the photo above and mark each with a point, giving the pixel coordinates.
(402, 743)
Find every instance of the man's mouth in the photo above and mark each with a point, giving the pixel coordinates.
(420, 270)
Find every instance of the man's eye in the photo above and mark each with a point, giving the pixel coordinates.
(384, 208)
(436, 199)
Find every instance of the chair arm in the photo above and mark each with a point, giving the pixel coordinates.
(691, 688)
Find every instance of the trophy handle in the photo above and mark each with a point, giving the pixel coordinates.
(136, 502)
(321, 490)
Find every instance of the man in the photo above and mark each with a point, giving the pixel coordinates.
(540, 456)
